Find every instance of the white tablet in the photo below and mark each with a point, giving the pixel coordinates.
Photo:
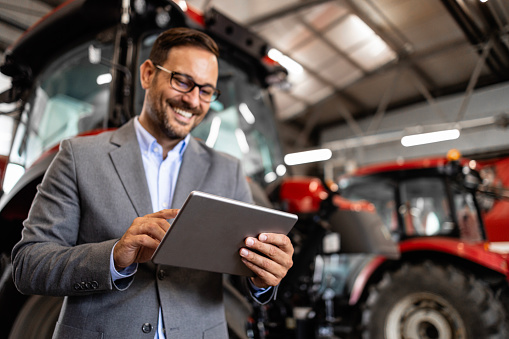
(209, 231)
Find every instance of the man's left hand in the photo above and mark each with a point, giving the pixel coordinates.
(272, 267)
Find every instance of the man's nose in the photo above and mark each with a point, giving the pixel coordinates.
(193, 97)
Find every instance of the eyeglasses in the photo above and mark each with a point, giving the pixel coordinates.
(184, 84)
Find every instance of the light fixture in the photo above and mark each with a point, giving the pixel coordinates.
(291, 65)
(307, 157)
(270, 177)
(242, 141)
(183, 5)
(6, 128)
(281, 170)
(104, 79)
(13, 173)
(431, 137)
(214, 132)
(246, 113)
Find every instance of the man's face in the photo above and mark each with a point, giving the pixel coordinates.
(169, 113)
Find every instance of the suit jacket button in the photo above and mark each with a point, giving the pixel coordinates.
(94, 284)
(77, 286)
(161, 274)
(146, 328)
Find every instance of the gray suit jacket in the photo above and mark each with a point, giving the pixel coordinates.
(91, 193)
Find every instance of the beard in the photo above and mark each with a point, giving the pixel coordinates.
(173, 128)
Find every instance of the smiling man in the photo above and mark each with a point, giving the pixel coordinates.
(102, 210)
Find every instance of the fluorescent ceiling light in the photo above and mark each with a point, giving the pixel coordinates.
(104, 79)
(291, 65)
(214, 132)
(5, 82)
(428, 138)
(6, 128)
(242, 141)
(270, 177)
(183, 5)
(246, 113)
(13, 173)
(307, 157)
(281, 170)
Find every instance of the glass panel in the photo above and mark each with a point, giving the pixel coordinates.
(380, 192)
(425, 207)
(240, 123)
(466, 213)
(70, 97)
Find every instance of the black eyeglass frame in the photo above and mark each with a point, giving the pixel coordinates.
(216, 93)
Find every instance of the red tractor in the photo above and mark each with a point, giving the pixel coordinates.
(449, 217)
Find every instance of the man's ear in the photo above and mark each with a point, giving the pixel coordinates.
(147, 73)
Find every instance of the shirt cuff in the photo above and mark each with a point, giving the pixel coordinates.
(255, 290)
(125, 272)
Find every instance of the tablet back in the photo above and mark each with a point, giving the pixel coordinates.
(209, 231)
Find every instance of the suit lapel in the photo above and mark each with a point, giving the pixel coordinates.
(195, 164)
(129, 166)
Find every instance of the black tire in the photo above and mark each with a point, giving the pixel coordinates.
(422, 301)
(37, 318)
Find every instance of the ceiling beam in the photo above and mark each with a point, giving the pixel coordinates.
(22, 10)
(53, 3)
(273, 15)
(13, 23)
(497, 58)
(401, 45)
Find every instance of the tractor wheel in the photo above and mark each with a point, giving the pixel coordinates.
(427, 301)
(37, 318)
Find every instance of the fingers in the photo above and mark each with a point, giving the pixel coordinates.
(153, 227)
(142, 238)
(164, 214)
(279, 240)
(273, 260)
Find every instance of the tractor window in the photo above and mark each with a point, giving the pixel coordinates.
(466, 213)
(380, 192)
(70, 97)
(424, 207)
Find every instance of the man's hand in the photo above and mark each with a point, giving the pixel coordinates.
(142, 238)
(271, 269)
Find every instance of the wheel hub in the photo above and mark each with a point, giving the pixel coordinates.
(426, 324)
(424, 316)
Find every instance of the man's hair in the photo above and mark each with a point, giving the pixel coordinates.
(180, 36)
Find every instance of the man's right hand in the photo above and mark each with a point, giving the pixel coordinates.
(142, 238)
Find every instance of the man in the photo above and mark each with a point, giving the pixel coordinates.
(100, 213)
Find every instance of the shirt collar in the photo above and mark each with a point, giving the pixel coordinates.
(146, 140)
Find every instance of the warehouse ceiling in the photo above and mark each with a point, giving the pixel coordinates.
(355, 58)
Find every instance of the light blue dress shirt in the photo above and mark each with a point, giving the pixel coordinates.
(162, 177)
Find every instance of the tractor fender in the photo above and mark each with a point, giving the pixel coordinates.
(363, 276)
(478, 253)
